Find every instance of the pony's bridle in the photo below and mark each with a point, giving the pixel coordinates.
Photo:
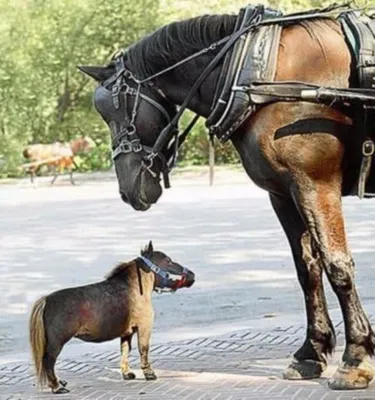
(168, 282)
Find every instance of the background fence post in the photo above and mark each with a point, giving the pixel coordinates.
(211, 160)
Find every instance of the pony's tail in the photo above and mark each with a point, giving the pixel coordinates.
(38, 340)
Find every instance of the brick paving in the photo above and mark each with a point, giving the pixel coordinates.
(245, 364)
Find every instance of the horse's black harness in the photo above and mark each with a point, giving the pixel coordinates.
(123, 84)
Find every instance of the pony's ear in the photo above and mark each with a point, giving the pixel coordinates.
(100, 74)
(150, 248)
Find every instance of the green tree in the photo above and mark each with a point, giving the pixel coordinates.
(43, 96)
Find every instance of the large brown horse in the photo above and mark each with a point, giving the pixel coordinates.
(306, 155)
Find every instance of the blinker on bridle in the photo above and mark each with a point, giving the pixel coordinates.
(126, 140)
(168, 282)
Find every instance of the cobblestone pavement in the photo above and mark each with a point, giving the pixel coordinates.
(212, 341)
(244, 364)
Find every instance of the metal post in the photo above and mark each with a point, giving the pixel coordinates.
(211, 159)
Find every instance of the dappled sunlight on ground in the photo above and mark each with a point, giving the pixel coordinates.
(53, 238)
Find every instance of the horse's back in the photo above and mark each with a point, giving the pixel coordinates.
(315, 52)
(95, 312)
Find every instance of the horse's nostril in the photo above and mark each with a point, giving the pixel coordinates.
(190, 282)
(124, 198)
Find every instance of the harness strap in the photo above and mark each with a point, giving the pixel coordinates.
(165, 135)
(140, 280)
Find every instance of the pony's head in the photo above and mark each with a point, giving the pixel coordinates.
(169, 275)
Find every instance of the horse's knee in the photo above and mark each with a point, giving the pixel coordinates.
(340, 272)
(309, 274)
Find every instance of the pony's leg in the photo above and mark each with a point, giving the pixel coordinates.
(126, 347)
(144, 334)
(310, 360)
(49, 360)
(320, 203)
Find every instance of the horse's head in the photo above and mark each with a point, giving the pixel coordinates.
(135, 114)
(169, 275)
(82, 145)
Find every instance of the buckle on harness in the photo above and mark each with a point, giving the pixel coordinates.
(136, 145)
(368, 148)
(116, 88)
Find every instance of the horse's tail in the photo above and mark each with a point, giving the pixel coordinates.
(38, 340)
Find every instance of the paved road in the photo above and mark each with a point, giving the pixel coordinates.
(53, 237)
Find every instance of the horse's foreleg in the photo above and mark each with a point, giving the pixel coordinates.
(125, 350)
(320, 204)
(144, 334)
(72, 181)
(55, 175)
(310, 360)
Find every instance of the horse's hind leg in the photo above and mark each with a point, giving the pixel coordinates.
(50, 357)
(310, 360)
(126, 346)
(72, 181)
(56, 174)
(320, 204)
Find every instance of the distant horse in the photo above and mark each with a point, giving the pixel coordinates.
(114, 308)
(59, 156)
(301, 118)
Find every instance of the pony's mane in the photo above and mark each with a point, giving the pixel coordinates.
(123, 268)
(119, 269)
(173, 42)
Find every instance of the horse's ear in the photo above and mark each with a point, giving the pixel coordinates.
(150, 248)
(100, 74)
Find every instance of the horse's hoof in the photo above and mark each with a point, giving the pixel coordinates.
(63, 383)
(60, 390)
(352, 378)
(304, 369)
(128, 376)
(150, 376)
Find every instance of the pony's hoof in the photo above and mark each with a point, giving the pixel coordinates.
(351, 378)
(60, 390)
(129, 376)
(305, 369)
(63, 383)
(150, 376)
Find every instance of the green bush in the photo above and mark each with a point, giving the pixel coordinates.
(196, 147)
(44, 98)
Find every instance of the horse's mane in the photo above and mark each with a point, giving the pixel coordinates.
(123, 268)
(119, 269)
(173, 42)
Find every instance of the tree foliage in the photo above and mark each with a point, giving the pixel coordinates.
(44, 98)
